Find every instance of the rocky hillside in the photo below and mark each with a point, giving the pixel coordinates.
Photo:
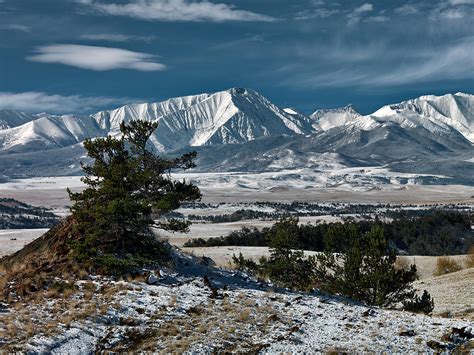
(196, 307)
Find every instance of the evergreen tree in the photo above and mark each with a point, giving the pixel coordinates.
(287, 265)
(129, 190)
(365, 271)
(423, 304)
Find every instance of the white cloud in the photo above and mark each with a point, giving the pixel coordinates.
(454, 10)
(461, 2)
(317, 9)
(176, 10)
(15, 27)
(378, 18)
(450, 63)
(35, 101)
(96, 58)
(359, 12)
(316, 13)
(407, 9)
(116, 37)
(364, 8)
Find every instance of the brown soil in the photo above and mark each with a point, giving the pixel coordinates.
(40, 261)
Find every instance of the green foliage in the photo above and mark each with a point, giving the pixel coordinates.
(243, 237)
(434, 233)
(129, 191)
(423, 304)
(286, 266)
(365, 270)
(243, 264)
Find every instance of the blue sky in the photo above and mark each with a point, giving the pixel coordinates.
(84, 55)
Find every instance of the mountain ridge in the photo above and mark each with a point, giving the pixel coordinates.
(239, 129)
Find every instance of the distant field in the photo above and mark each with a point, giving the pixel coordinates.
(12, 240)
(51, 192)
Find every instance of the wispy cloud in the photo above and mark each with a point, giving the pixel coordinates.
(454, 10)
(317, 9)
(15, 27)
(461, 2)
(440, 63)
(407, 9)
(176, 10)
(96, 58)
(355, 16)
(452, 62)
(116, 37)
(378, 18)
(251, 39)
(35, 101)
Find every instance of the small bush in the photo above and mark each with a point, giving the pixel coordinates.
(446, 265)
(423, 304)
(242, 264)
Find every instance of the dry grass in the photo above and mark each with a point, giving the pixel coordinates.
(470, 258)
(446, 265)
(173, 300)
(402, 264)
(215, 322)
(244, 316)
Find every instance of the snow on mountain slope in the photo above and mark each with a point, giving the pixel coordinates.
(437, 114)
(233, 116)
(434, 113)
(330, 118)
(48, 132)
(240, 130)
(10, 119)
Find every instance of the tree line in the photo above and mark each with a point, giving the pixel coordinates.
(436, 233)
(365, 269)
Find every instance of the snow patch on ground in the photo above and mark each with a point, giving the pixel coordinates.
(180, 314)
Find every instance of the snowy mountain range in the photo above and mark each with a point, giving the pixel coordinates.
(240, 130)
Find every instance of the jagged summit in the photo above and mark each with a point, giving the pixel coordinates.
(10, 118)
(446, 112)
(330, 118)
(235, 115)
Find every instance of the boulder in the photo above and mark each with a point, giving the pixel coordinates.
(151, 279)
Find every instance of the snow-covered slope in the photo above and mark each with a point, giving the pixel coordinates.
(436, 113)
(48, 132)
(232, 116)
(330, 118)
(10, 119)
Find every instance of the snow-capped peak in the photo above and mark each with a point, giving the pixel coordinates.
(235, 115)
(335, 117)
(450, 111)
(10, 118)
